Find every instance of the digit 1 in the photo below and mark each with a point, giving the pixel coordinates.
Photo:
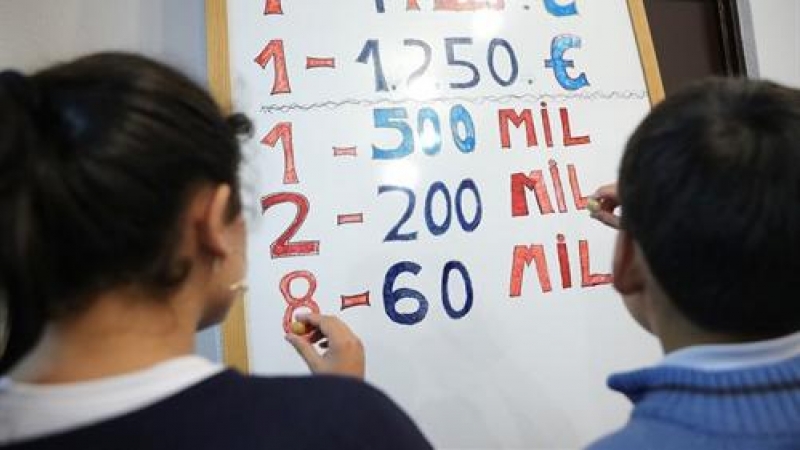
(371, 50)
(274, 50)
(273, 7)
(380, 7)
(283, 132)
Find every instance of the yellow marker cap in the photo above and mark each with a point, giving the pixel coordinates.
(299, 328)
(593, 205)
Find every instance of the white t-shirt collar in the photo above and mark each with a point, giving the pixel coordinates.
(33, 410)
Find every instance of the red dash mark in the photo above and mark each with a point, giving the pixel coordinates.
(351, 301)
(344, 219)
(273, 7)
(316, 63)
(345, 151)
(589, 279)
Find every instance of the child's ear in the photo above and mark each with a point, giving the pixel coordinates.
(213, 222)
(628, 271)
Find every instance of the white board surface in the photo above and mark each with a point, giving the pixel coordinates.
(415, 197)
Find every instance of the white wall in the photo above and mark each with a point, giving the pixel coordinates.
(774, 27)
(36, 33)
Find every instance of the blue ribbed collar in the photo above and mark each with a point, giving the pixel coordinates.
(752, 401)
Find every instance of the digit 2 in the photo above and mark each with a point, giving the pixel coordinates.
(283, 247)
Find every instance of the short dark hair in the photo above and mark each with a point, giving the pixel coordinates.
(98, 159)
(710, 189)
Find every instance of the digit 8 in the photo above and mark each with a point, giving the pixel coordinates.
(294, 303)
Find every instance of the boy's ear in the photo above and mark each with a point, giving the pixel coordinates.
(213, 221)
(629, 275)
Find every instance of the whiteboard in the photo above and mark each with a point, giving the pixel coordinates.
(420, 169)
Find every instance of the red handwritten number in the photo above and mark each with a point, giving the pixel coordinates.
(294, 303)
(283, 132)
(273, 7)
(282, 247)
(274, 51)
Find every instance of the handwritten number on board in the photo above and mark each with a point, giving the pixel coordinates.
(283, 247)
(273, 51)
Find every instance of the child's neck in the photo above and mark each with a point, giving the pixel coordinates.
(120, 333)
(676, 332)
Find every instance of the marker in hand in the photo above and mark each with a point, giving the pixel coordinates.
(299, 328)
(602, 203)
(342, 351)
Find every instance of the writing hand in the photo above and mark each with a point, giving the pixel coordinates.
(343, 353)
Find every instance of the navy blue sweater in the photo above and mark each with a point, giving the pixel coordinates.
(233, 411)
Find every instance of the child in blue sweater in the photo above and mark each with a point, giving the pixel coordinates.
(708, 260)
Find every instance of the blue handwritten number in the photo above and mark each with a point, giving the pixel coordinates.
(460, 115)
(426, 62)
(558, 47)
(470, 226)
(450, 44)
(394, 234)
(553, 7)
(372, 50)
(448, 307)
(393, 118)
(512, 59)
(430, 138)
(379, 6)
(392, 296)
(435, 228)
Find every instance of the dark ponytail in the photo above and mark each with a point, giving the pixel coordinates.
(98, 158)
(20, 107)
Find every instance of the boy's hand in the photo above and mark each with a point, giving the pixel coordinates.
(344, 354)
(603, 203)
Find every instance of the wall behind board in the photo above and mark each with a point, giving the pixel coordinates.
(35, 33)
(776, 29)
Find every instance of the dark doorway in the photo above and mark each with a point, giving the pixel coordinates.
(694, 39)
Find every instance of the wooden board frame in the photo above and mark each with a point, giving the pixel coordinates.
(235, 349)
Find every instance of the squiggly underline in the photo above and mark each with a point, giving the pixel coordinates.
(335, 104)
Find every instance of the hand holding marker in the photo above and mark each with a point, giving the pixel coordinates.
(343, 353)
(602, 203)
